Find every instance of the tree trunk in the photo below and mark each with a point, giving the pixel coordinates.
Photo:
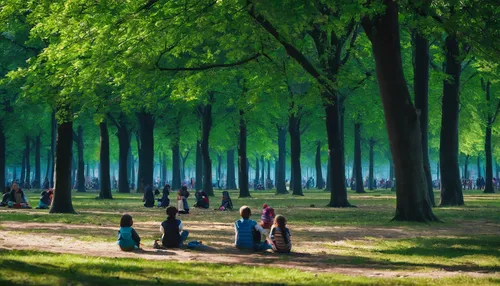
(328, 179)
(421, 90)
(242, 158)
(357, 159)
(269, 173)
(206, 127)
(28, 165)
(105, 178)
(402, 120)
(2, 154)
(371, 179)
(124, 154)
(230, 173)
(146, 151)
(489, 188)
(281, 167)
(64, 152)
(165, 168)
(38, 168)
(219, 170)
(294, 130)
(176, 164)
(275, 172)
(257, 172)
(391, 171)
(81, 163)
(451, 187)
(23, 169)
(199, 167)
(54, 131)
(338, 191)
(466, 167)
(262, 178)
(319, 172)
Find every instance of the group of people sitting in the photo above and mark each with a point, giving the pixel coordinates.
(248, 233)
(14, 197)
(152, 198)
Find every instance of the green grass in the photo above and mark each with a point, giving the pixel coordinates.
(363, 238)
(39, 268)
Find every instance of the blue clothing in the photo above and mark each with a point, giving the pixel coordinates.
(244, 233)
(128, 238)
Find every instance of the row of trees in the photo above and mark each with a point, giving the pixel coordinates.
(230, 75)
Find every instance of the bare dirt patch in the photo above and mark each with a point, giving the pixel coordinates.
(308, 255)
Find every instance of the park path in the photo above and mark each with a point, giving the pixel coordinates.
(15, 237)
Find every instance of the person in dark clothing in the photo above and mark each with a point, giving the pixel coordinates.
(165, 201)
(227, 203)
(172, 230)
(5, 197)
(128, 239)
(149, 197)
(202, 200)
(17, 198)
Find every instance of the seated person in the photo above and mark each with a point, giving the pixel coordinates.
(5, 197)
(164, 201)
(248, 232)
(227, 203)
(149, 197)
(45, 199)
(172, 230)
(202, 200)
(280, 236)
(267, 217)
(128, 239)
(17, 198)
(182, 204)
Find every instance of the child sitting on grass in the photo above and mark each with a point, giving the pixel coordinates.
(227, 203)
(45, 199)
(128, 239)
(248, 232)
(280, 236)
(172, 230)
(267, 217)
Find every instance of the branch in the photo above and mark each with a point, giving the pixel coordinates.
(355, 32)
(469, 78)
(290, 49)
(212, 66)
(147, 6)
(113, 120)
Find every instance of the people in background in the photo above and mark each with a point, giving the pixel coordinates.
(164, 201)
(202, 200)
(17, 198)
(128, 239)
(172, 230)
(267, 218)
(227, 203)
(149, 197)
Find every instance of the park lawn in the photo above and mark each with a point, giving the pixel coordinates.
(364, 238)
(41, 268)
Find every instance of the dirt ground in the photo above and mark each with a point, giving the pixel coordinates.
(219, 238)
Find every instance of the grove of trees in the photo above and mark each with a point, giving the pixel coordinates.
(252, 92)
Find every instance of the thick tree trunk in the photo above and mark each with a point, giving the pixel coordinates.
(371, 179)
(319, 173)
(391, 171)
(124, 154)
(206, 127)
(294, 130)
(357, 159)
(402, 120)
(38, 168)
(231, 176)
(146, 152)
(199, 167)
(176, 164)
(242, 158)
(421, 90)
(49, 163)
(81, 163)
(62, 189)
(27, 162)
(489, 161)
(281, 167)
(2, 154)
(338, 191)
(104, 175)
(54, 131)
(451, 187)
